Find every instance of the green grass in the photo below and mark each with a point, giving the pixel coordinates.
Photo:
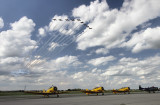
(13, 93)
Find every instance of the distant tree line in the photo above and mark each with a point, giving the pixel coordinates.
(76, 89)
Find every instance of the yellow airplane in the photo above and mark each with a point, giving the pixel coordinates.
(122, 90)
(53, 90)
(94, 91)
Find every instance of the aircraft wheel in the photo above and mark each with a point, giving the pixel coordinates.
(47, 96)
(87, 94)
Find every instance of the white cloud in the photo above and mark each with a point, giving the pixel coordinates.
(88, 13)
(42, 32)
(53, 65)
(1, 23)
(53, 45)
(101, 60)
(147, 39)
(40, 74)
(136, 70)
(102, 51)
(88, 79)
(10, 64)
(121, 54)
(127, 72)
(135, 67)
(111, 27)
(17, 41)
(10, 60)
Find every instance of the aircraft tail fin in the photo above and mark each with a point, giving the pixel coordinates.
(140, 88)
(44, 91)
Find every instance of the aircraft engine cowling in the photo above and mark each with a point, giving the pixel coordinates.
(55, 89)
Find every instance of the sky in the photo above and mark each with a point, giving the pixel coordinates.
(79, 44)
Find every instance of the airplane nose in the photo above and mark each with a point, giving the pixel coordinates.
(55, 88)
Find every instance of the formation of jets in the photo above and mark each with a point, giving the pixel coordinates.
(53, 90)
(73, 20)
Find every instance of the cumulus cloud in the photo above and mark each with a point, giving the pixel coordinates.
(88, 79)
(10, 60)
(16, 43)
(9, 64)
(1, 23)
(53, 65)
(42, 74)
(34, 82)
(130, 71)
(101, 60)
(135, 67)
(42, 32)
(146, 39)
(102, 51)
(88, 13)
(112, 26)
(138, 71)
(53, 45)
(17, 40)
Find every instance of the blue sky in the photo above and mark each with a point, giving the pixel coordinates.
(121, 49)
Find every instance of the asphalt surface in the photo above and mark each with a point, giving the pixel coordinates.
(81, 99)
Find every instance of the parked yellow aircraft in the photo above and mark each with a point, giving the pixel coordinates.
(122, 90)
(53, 90)
(94, 91)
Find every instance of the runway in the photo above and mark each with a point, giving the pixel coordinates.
(73, 99)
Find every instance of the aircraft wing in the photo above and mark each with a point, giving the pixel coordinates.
(89, 91)
(43, 93)
(120, 91)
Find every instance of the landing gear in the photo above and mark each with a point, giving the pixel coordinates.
(87, 94)
(46, 96)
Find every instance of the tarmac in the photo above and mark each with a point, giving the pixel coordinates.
(82, 99)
